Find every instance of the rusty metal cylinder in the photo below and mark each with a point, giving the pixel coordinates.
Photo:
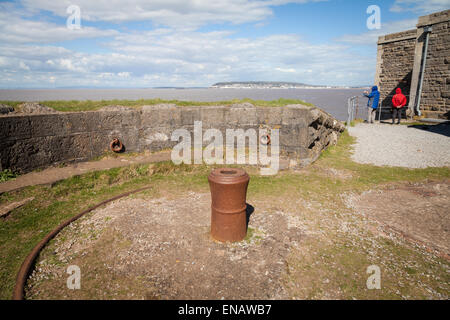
(228, 204)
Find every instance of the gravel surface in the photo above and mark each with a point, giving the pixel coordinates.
(417, 146)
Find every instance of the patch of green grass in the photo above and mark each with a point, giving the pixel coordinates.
(13, 104)
(339, 270)
(6, 175)
(250, 232)
(110, 154)
(355, 122)
(253, 235)
(91, 105)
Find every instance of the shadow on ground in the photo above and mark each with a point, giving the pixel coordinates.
(443, 128)
(248, 212)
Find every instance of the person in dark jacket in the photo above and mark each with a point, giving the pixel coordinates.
(372, 103)
(398, 102)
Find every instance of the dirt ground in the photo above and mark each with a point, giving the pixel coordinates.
(418, 212)
(143, 248)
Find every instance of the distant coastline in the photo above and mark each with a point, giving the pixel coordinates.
(332, 100)
(218, 85)
(274, 85)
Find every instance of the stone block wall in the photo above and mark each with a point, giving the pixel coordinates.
(436, 83)
(396, 59)
(29, 142)
(400, 58)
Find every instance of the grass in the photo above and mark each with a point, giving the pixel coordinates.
(90, 105)
(355, 122)
(339, 269)
(27, 225)
(405, 123)
(253, 235)
(13, 104)
(6, 175)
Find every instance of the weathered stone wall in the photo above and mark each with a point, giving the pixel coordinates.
(35, 141)
(399, 64)
(436, 83)
(396, 59)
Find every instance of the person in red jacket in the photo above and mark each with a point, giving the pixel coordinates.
(398, 102)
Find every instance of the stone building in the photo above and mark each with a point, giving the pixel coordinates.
(417, 61)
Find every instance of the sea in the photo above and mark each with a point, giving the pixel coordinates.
(331, 100)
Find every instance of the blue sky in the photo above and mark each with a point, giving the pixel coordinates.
(151, 43)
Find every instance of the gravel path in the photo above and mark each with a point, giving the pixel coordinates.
(402, 146)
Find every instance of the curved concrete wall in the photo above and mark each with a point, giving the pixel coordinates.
(35, 141)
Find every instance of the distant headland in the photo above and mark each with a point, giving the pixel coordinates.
(272, 85)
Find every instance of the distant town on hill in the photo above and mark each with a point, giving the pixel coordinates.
(268, 85)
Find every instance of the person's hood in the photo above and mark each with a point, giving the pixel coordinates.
(374, 88)
(398, 91)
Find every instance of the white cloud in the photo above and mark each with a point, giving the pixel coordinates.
(16, 29)
(173, 13)
(193, 59)
(23, 66)
(289, 70)
(420, 6)
(371, 37)
(164, 12)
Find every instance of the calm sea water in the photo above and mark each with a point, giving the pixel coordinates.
(334, 101)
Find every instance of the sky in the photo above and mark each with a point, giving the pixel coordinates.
(195, 43)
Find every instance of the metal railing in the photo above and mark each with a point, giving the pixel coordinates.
(353, 107)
